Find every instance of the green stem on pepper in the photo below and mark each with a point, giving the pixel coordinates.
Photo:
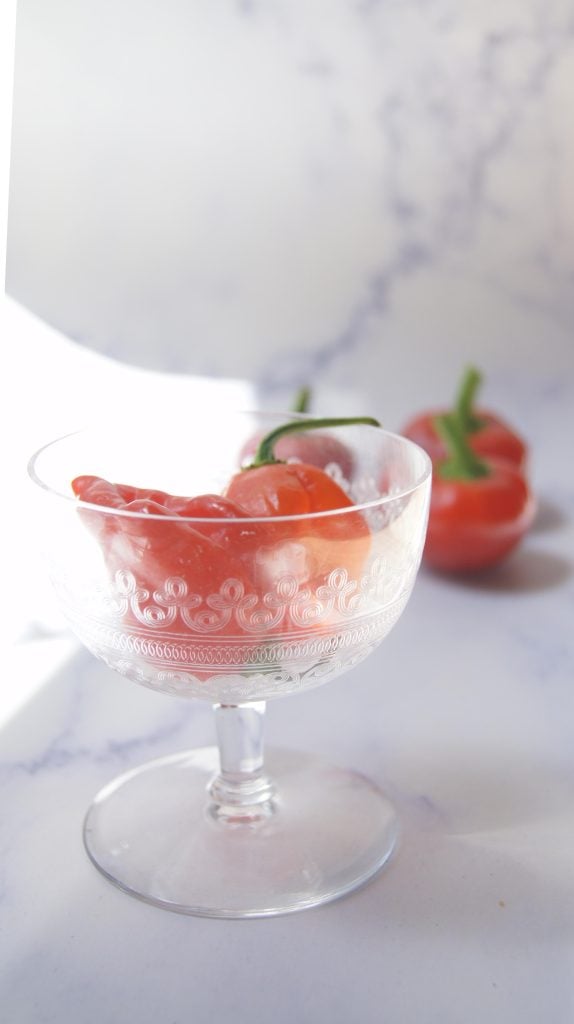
(463, 408)
(302, 400)
(461, 462)
(264, 455)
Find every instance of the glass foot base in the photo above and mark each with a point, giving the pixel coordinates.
(150, 833)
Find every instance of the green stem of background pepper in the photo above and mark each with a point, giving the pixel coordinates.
(461, 463)
(264, 455)
(463, 408)
(302, 400)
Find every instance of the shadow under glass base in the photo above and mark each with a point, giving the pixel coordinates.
(150, 833)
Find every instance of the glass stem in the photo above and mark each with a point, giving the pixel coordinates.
(241, 794)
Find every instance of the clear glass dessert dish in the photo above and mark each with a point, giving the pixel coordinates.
(235, 612)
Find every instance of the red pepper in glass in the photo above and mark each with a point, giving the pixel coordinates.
(284, 534)
(312, 448)
(271, 487)
(150, 537)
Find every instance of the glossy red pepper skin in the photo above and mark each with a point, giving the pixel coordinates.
(286, 489)
(298, 489)
(154, 547)
(205, 555)
(492, 439)
(97, 491)
(475, 523)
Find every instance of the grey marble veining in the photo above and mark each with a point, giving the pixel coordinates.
(291, 192)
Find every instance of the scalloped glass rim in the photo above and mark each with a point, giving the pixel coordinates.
(363, 506)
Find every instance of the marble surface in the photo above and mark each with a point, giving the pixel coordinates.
(286, 191)
(465, 715)
(363, 196)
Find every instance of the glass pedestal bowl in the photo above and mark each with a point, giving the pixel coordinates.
(235, 612)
